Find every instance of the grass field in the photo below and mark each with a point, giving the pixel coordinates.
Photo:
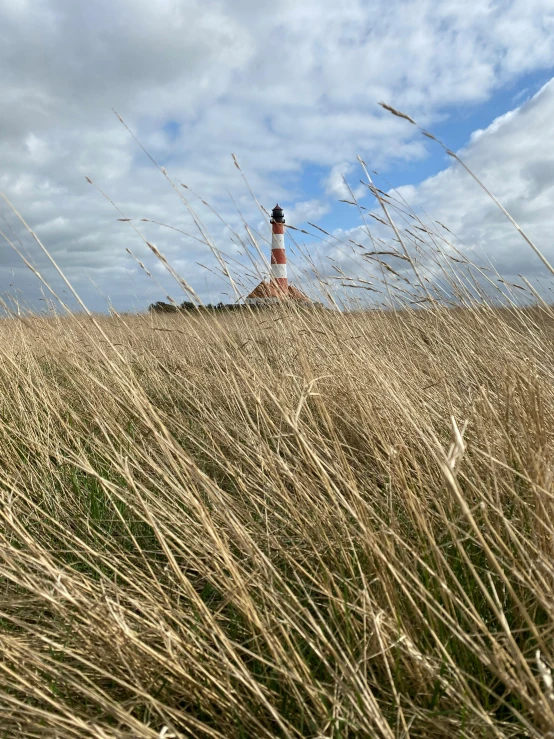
(277, 524)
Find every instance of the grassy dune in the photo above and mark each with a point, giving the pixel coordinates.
(277, 524)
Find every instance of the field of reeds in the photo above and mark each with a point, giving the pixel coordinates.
(277, 524)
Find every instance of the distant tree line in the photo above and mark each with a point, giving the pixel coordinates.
(161, 307)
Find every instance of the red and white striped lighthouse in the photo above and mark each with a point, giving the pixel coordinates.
(278, 254)
(278, 288)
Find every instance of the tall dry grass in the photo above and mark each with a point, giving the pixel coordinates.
(270, 525)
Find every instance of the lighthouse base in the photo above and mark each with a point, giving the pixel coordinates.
(270, 293)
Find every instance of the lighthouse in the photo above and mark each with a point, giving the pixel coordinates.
(278, 288)
(278, 253)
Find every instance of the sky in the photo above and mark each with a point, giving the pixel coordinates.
(292, 89)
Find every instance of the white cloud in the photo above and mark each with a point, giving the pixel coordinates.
(336, 187)
(513, 160)
(281, 85)
(307, 210)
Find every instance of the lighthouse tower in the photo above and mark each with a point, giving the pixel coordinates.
(278, 254)
(278, 288)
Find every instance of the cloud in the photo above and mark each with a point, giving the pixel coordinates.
(336, 187)
(513, 160)
(307, 210)
(284, 87)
